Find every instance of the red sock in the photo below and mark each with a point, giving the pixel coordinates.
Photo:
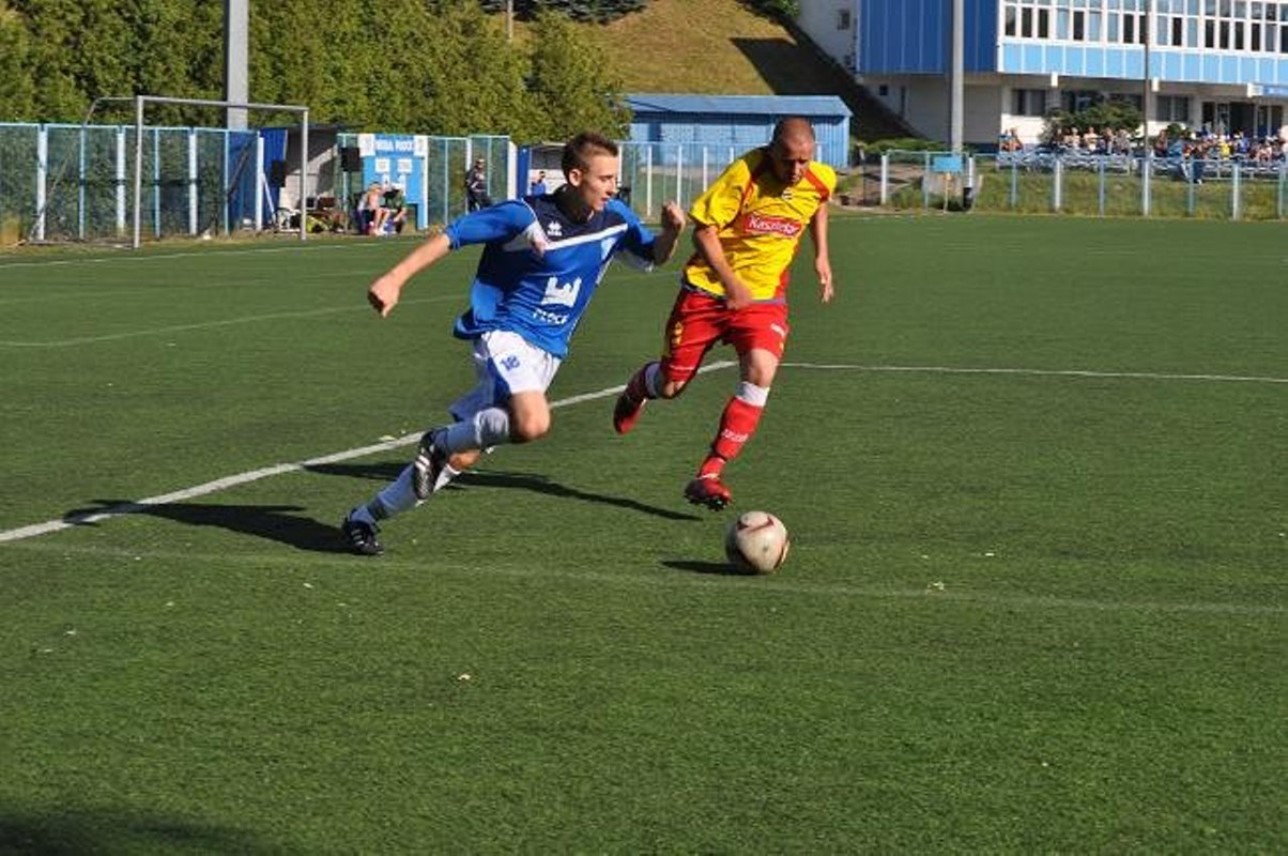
(737, 425)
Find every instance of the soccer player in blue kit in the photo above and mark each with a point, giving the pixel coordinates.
(543, 258)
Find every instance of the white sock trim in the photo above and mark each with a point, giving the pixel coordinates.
(754, 395)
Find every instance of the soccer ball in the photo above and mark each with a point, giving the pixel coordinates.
(757, 543)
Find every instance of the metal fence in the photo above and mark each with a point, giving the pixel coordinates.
(76, 182)
(655, 173)
(1042, 182)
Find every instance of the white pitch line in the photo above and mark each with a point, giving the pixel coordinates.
(1080, 373)
(210, 325)
(144, 257)
(71, 521)
(49, 526)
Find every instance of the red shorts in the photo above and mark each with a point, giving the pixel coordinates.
(699, 321)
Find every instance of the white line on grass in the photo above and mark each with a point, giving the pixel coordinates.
(70, 521)
(1077, 373)
(145, 257)
(49, 526)
(209, 325)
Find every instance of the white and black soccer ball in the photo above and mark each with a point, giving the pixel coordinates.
(757, 543)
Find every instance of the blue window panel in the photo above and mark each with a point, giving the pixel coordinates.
(1114, 65)
(1133, 64)
(1211, 68)
(1247, 69)
(1193, 67)
(1230, 69)
(1171, 66)
(1096, 62)
(1278, 71)
(1033, 62)
(1266, 71)
(1075, 61)
(1012, 62)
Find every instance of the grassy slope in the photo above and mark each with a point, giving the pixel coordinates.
(722, 47)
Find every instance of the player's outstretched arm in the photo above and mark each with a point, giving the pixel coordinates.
(384, 292)
(673, 222)
(822, 260)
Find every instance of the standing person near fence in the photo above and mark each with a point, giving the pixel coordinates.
(543, 258)
(747, 229)
(476, 186)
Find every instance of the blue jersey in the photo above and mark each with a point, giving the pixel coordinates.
(539, 268)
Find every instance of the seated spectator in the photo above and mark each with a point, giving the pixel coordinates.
(395, 204)
(1161, 145)
(372, 213)
(1009, 141)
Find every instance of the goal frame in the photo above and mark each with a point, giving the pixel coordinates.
(141, 103)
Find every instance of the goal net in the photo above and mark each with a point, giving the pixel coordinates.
(135, 183)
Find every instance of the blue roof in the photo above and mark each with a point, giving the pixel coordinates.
(758, 105)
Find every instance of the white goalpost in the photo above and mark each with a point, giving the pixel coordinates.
(141, 103)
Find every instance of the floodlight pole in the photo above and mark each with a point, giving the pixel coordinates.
(1146, 93)
(956, 77)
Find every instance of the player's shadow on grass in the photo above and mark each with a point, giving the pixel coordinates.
(543, 484)
(382, 471)
(272, 522)
(501, 479)
(62, 832)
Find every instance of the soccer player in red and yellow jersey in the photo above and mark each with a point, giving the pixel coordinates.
(747, 229)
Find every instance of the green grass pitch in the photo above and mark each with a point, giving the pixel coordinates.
(1036, 473)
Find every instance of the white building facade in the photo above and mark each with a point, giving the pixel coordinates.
(1215, 65)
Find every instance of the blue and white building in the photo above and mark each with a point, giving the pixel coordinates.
(1220, 65)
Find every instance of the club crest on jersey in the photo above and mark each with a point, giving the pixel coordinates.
(554, 229)
(787, 194)
(561, 294)
(765, 224)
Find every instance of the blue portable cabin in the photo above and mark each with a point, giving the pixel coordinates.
(739, 121)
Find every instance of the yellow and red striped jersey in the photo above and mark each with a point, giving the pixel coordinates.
(760, 221)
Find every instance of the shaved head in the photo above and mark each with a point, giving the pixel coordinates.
(793, 129)
(791, 149)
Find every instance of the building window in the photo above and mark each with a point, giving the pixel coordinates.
(1075, 101)
(1028, 102)
(843, 19)
(1245, 26)
(1172, 108)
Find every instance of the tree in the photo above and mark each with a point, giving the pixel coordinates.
(571, 86)
(16, 88)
